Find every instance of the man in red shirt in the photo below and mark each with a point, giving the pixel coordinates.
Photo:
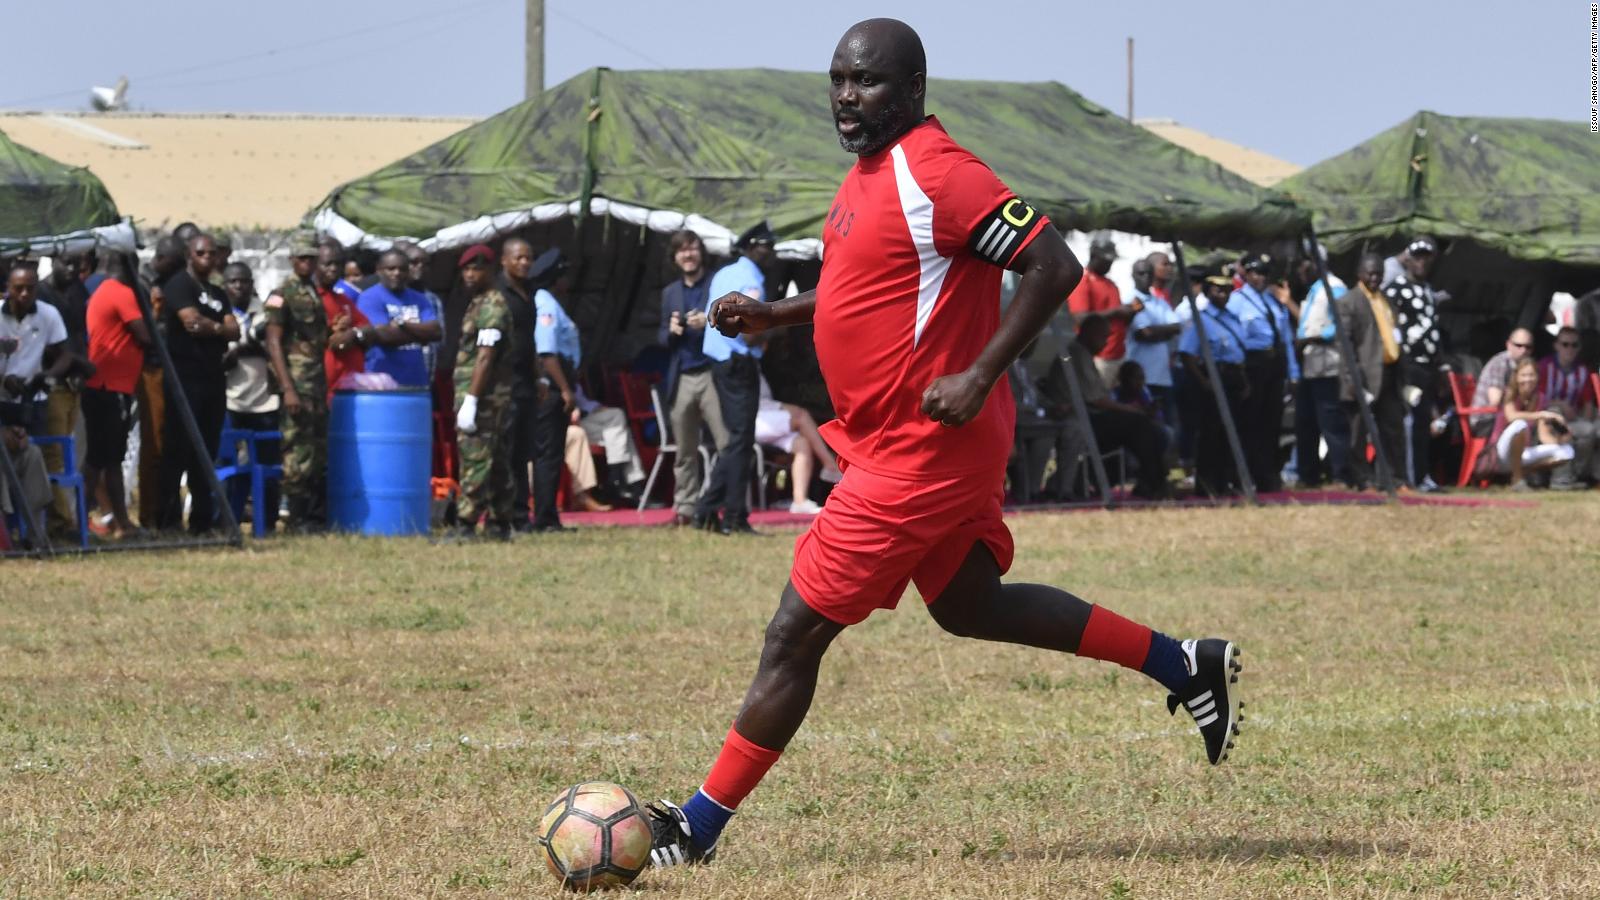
(914, 348)
(1096, 294)
(118, 337)
(345, 354)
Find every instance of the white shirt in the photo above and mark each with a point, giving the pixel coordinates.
(39, 329)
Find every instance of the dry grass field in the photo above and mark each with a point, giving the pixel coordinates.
(344, 717)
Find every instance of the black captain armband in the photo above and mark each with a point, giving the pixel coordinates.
(1001, 232)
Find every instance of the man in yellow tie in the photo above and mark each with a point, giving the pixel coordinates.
(1366, 316)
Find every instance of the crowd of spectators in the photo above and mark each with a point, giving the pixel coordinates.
(78, 356)
(1273, 331)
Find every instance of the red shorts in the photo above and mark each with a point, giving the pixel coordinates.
(877, 533)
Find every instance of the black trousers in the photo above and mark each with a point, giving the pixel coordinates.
(1317, 418)
(538, 435)
(1421, 376)
(1138, 436)
(1215, 472)
(1389, 412)
(1263, 418)
(209, 404)
(738, 383)
(268, 453)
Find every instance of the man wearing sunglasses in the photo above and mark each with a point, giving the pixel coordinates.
(1569, 390)
(1491, 387)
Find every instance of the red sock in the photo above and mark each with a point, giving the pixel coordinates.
(739, 768)
(1112, 638)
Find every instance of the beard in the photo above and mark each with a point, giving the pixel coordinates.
(876, 132)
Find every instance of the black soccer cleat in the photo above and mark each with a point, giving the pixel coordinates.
(1212, 696)
(671, 838)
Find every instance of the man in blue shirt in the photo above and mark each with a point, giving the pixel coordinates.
(402, 322)
(1269, 360)
(1225, 335)
(736, 370)
(1151, 335)
(556, 340)
(688, 391)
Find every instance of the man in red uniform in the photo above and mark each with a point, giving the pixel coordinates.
(1098, 295)
(914, 348)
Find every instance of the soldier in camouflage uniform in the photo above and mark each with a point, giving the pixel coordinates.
(297, 336)
(483, 376)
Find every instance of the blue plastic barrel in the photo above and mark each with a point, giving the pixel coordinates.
(380, 461)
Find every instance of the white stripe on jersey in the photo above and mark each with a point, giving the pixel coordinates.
(918, 211)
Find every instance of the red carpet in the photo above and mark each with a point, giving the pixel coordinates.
(775, 518)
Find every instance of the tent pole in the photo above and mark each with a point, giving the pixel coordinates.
(191, 428)
(1223, 412)
(1081, 413)
(1347, 362)
(591, 123)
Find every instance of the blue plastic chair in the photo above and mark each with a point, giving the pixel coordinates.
(68, 477)
(229, 467)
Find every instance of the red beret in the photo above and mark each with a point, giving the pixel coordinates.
(476, 252)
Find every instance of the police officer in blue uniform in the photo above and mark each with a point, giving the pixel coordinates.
(1269, 361)
(555, 341)
(1226, 334)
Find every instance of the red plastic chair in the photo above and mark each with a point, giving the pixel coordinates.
(640, 409)
(1461, 389)
(1594, 388)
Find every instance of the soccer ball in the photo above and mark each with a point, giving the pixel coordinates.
(595, 836)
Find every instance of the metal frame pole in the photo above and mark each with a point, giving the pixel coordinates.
(1223, 412)
(1081, 413)
(190, 427)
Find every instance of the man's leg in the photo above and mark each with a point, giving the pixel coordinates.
(524, 407)
(1308, 434)
(1334, 426)
(1198, 674)
(740, 403)
(774, 707)
(549, 438)
(686, 423)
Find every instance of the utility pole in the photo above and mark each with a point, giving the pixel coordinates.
(1130, 78)
(533, 51)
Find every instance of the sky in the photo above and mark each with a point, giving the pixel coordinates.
(1300, 81)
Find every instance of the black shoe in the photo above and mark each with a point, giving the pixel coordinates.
(671, 838)
(1211, 696)
(497, 531)
(523, 526)
(706, 521)
(739, 526)
(551, 528)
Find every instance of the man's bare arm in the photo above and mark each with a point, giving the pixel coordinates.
(735, 313)
(1049, 273)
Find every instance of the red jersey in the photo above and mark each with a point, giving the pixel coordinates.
(116, 355)
(1096, 294)
(913, 249)
(340, 363)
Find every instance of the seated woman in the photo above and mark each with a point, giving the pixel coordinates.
(1527, 436)
(791, 429)
(580, 462)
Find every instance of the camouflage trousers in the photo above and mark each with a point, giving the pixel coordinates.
(305, 461)
(486, 465)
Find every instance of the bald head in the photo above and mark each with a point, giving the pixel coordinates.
(891, 42)
(878, 82)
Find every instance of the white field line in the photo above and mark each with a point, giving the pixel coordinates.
(289, 749)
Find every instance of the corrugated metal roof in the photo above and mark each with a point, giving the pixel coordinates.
(223, 170)
(1251, 164)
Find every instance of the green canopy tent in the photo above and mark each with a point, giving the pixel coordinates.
(1516, 203)
(645, 153)
(49, 207)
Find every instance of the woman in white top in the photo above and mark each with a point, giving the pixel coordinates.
(791, 429)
